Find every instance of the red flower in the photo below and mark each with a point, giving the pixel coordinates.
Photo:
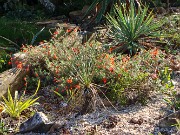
(112, 61)
(111, 69)
(75, 50)
(56, 33)
(57, 71)
(24, 50)
(77, 86)
(57, 89)
(69, 80)
(154, 76)
(19, 65)
(110, 50)
(55, 57)
(36, 74)
(104, 80)
(9, 63)
(68, 30)
(154, 53)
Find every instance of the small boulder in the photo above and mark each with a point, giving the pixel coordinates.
(170, 120)
(38, 123)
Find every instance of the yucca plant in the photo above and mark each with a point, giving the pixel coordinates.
(127, 26)
(15, 106)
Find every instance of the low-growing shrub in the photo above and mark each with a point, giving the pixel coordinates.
(135, 78)
(77, 69)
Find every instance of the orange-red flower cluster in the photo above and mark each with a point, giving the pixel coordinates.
(155, 52)
(69, 81)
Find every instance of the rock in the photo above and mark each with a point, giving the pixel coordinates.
(18, 58)
(79, 14)
(174, 9)
(49, 23)
(136, 121)
(170, 120)
(38, 123)
(110, 122)
(159, 10)
(76, 15)
(12, 78)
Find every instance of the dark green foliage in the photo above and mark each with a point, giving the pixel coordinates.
(4, 59)
(103, 4)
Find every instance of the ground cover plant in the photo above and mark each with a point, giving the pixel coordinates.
(76, 69)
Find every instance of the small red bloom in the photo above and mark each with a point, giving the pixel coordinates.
(56, 33)
(36, 74)
(154, 53)
(69, 80)
(154, 76)
(68, 30)
(57, 71)
(111, 69)
(110, 50)
(57, 89)
(9, 63)
(77, 86)
(24, 50)
(19, 65)
(104, 80)
(55, 57)
(90, 45)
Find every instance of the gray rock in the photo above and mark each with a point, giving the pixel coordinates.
(79, 14)
(20, 57)
(170, 120)
(38, 123)
(12, 78)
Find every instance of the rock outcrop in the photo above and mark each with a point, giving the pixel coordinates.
(38, 123)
